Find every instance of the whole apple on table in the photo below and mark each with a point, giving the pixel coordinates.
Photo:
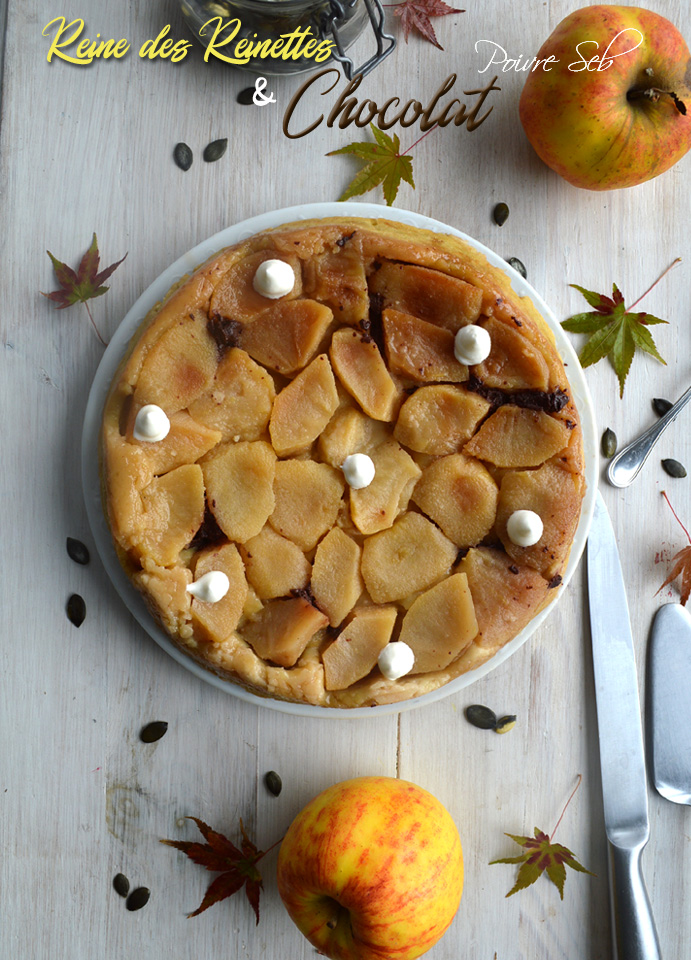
(612, 106)
(372, 869)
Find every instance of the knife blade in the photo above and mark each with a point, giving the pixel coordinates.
(620, 731)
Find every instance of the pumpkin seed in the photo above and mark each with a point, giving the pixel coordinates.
(121, 884)
(138, 898)
(504, 724)
(674, 468)
(153, 731)
(609, 443)
(273, 782)
(500, 214)
(76, 610)
(183, 156)
(214, 151)
(77, 551)
(481, 717)
(518, 265)
(661, 407)
(246, 96)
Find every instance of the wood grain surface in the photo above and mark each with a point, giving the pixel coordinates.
(87, 149)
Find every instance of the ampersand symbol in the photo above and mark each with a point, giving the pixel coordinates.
(258, 97)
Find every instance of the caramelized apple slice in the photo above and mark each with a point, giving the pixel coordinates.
(505, 597)
(178, 368)
(239, 487)
(128, 471)
(303, 408)
(214, 622)
(186, 442)
(238, 401)
(282, 629)
(274, 565)
(460, 496)
(286, 336)
(440, 624)
(419, 350)
(172, 512)
(428, 294)
(375, 507)
(165, 590)
(308, 496)
(555, 496)
(409, 556)
(235, 296)
(362, 371)
(439, 419)
(338, 280)
(516, 437)
(336, 582)
(354, 652)
(349, 431)
(514, 363)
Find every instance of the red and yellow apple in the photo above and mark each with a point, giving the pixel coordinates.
(611, 107)
(372, 869)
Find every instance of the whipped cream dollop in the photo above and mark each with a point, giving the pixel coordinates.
(358, 469)
(396, 659)
(472, 344)
(151, 424)
(274, 279)
(524, 528)
(210, 588)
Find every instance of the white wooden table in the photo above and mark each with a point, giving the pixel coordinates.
(81, 798)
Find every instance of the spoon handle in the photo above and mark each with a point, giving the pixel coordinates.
(625, 467)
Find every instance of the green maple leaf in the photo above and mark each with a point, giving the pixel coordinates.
(614, 331)
(541, 856)
(81, 285)
(384, 164)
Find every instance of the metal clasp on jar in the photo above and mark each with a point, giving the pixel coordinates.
(342, 12)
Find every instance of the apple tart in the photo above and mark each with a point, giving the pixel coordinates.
(342, 462)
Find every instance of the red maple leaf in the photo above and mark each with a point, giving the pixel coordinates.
(681, 561)
(415, 15)
(237, 867)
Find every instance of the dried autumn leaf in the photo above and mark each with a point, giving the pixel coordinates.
(542, 855)
(237, 867)
(384, 164)
(415, 15)
(85, 284)
(614, 331)
(681, 562)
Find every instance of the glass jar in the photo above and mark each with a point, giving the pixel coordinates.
(340, 21)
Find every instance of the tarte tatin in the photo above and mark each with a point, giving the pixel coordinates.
(342, 462)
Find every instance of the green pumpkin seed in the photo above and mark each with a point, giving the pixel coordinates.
(77, 551)
(183, 156)
(500, 214)
(518, 265)
(661, 407)
(153, 731)
(273, 783)
(121, 884)
(246, 96)
(215, 150)
(76, 610)
(504, 724)
(674, 468)
(609, 443)
(481, 717)
(138, 898)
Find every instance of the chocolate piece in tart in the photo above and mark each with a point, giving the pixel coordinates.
(265, 396)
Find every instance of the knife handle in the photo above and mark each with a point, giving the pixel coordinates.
(633, 927)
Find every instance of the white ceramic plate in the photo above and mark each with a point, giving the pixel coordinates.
(187, 264)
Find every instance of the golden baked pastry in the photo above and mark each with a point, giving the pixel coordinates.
(260, 398)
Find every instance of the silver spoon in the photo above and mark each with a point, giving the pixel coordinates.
(625, 467)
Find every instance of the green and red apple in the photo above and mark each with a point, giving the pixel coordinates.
(611, 107)
(372, 869)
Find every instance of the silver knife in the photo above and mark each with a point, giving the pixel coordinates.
(622, 761)
(669, 704)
